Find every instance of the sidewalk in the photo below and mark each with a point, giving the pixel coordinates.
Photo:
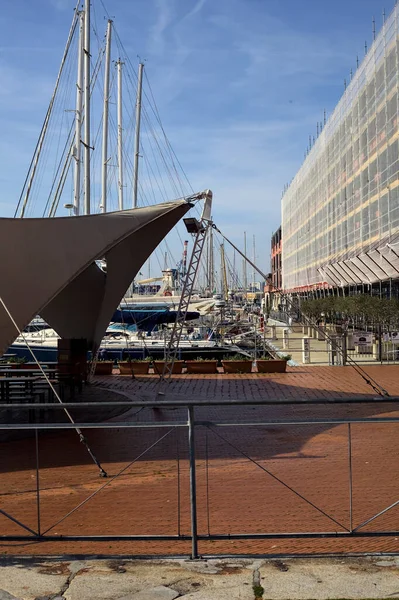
(318, 349)
(296, 579)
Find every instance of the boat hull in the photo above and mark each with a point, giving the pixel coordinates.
(157, 351)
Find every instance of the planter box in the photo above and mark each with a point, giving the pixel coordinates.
(203, 367)
(177, 367)
(138, 368)
(237, 366)
(104, 367)
(271, 366)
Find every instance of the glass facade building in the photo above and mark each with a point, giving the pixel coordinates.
(340, 214)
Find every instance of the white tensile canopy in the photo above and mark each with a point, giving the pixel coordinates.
(48, 267)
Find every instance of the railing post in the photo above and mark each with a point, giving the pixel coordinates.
(344, 347)
(37, 481)
(306, 350)
(350, 478)
(379, 338)
(193, 483)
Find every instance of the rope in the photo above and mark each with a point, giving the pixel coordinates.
(78, 431)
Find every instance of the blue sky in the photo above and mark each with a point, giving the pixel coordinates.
(240, 85)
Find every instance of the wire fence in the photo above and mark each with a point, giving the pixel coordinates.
(202, 472)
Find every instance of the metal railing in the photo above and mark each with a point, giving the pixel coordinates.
(322, 348)
(195, 420)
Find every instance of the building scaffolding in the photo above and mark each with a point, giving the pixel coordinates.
(340, 214)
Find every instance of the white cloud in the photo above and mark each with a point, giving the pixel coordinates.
(164, 17)
(196, 9)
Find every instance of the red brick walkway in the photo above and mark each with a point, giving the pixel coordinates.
(298, 383)
(235, 494)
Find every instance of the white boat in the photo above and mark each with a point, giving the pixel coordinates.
(120, 342)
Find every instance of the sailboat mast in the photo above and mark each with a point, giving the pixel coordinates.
(87, 76)
(245, 265)
(78, 118)
(211, 265)
(234, 275)
(137, 135)
(105, 117)
(120, 158)
(254, 259)
(225, 287)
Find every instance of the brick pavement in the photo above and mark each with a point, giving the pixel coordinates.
(235, 495)
(303, 382)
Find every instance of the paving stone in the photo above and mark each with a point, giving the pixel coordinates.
(31, 582)
(305, 579)
(156, 593)
(102, 586)
(318, 580)
(6, 595)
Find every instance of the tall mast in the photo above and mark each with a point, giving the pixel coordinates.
(211, 266)
(105, 118)
(254, 274)
(78, 119)
(120, 158)
(86, 143)
(137, 136)
(206, 270)
(245, 265)
(225, 287)
(234, 277)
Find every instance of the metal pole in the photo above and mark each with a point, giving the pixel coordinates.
(178, 485)
(254, 273)
(193, 490)
(78, 119)
(211, 261)
(344, 353)
(350, 478)
(86, 144)
(105, 118)
(207, 279)
(120, 158)
(207, 482)
(245, 266)
(137, 135)
(37, 481)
